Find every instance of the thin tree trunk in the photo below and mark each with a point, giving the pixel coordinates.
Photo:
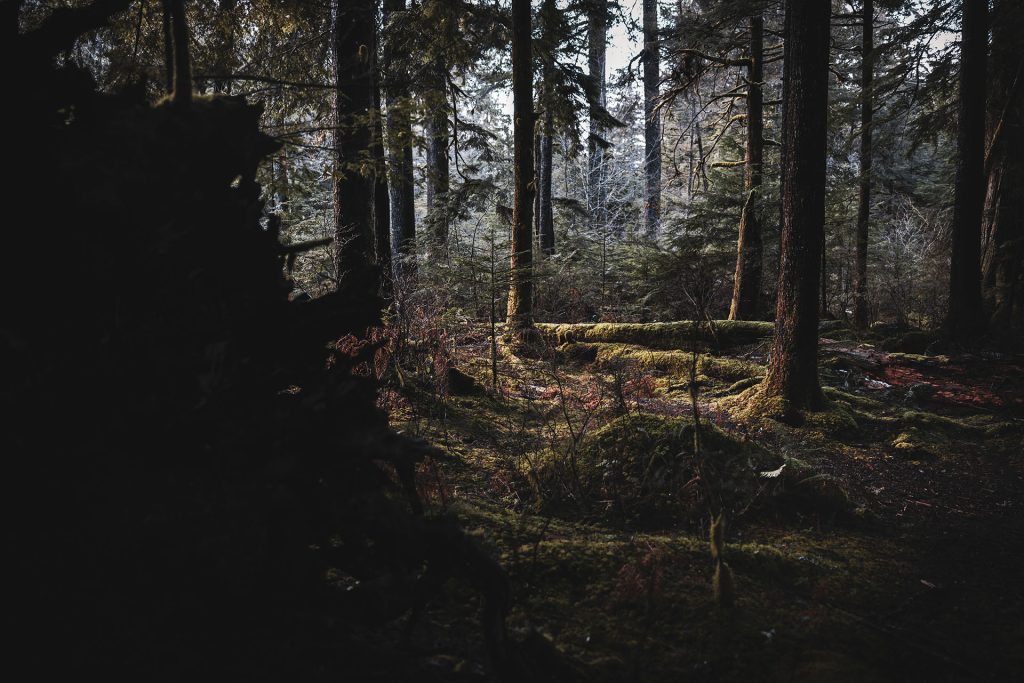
(520, 295)
(537, 143)
(547, 215)
(597, 37)
(793, 368)
(746, 293)
(1003, 271)
(399, 128)
(860, 279)
(437, 153)
(353, 192)
(168, 47)
(965, 319)
(652, 121)
(381, 200)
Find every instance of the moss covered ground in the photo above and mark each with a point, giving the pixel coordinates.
(879, 539)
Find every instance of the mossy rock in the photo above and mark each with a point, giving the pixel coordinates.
(809, 491)
(914, 443)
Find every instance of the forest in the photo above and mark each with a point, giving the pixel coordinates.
(499, 340)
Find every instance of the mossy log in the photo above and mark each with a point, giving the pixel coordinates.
(669, 336)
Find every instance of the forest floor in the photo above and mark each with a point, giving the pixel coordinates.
(888, 549)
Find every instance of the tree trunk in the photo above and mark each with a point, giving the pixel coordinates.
(168, 47)
(547, 215)
(520, 294)
(545, 135)
(399, 125)
(965, 320)
(652, 121)
(381, 200)
(597, 37)
(746, 292)
(182, 93)
(437, 153)
(1003, 265)
(793, 368)
(353, 191)
(860, 273)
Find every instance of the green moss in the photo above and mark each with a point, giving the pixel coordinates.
(741, 385)
(670, 362)
(937, 423)
(679, 335)
(729, 369)
(754, 405)
(855, 400)
(914, 443)
(835, 419)
(641, 469)
(917, 359)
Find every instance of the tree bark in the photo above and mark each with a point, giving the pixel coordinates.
(168, 47)
(652, 121)
(437, 152)
(793, 368)
(1003, 264)
(353, 191)
(399, 126)
(381, 200)
(746, 291)
(965, 319)
(547, 214)
(860, 273)
(520, 294)
(597, 37)
(182, 93)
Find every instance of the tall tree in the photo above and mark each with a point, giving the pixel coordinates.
(597, 39)
(549, 16)
(969, 190)
(399, 125)
(746, 291)
(381, 200)
(652, 120)
(182, 93)
(1003, 272)
(520, 294)
(438, 174)
(354, 104)
(860, 275)
(793, 368)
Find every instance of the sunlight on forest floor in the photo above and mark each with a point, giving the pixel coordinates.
(864, 543)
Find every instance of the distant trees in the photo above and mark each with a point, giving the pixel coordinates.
(689, 153)
(793, 365)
